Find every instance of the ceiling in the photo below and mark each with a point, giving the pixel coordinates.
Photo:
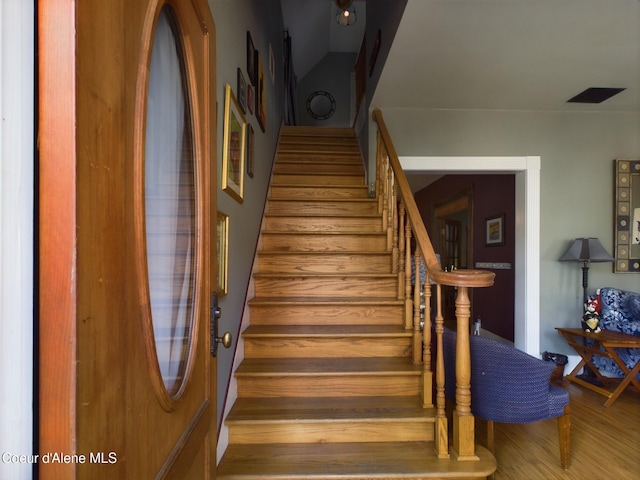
(513, 55)
(528, 55)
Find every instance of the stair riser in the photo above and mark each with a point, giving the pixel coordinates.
(326, 207)
(326, 431)
(338, 385)
(323, 224)
(309, 179)
(324, 243)
(327, 346)
(326, 287)
(328, 192)
(327, 315)
(311, 167)
(338, 263)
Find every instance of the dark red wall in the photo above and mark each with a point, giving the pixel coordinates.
(492, 195)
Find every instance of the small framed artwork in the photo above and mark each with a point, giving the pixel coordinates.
(233, 146)
(272, 65)
(494, 230)
(222, 241)
(374, 53)
(251, 98)
(249, 150)
(251, 59)
(261, 96)
(242, 91)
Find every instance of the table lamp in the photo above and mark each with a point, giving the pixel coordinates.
(586, 250)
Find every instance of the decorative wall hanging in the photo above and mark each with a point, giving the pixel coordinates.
(242, 91)
(233, 146)
(251, 59)
(250, 150)
(494, 231)
(627, 216)
(261, 100)
(321, 105)
(223, 252)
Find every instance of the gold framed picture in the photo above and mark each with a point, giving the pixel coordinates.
(233, 146)
(222, 242)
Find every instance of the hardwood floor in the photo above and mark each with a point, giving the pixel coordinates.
(605, 442)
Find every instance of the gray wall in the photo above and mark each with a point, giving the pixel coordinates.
(333, 75)
(577, 152)
(263, 18)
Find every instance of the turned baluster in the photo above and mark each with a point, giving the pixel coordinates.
(463, 422)
(441, 428)
(417, 340)
(408, 304)
(399, 260)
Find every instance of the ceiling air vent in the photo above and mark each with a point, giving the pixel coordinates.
(595, 95)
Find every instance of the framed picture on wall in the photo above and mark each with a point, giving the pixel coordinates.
(494, 230)
(242, 91)
(222, 232)
(250, 150)
(261, 96)
(251, 59)
(233, 146)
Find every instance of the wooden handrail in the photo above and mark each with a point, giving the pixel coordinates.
(457, 278)
(393, 189)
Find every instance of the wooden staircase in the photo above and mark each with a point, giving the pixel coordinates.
(327, 388)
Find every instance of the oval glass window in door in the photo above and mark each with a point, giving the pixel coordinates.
(170, 204)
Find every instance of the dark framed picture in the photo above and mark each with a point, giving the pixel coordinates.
(494, 230)
(249, 150)
(242, 91)
(251, 59)
(251, 98)
(261, 96)
(374, 53)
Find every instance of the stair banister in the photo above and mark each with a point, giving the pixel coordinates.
(463, 442)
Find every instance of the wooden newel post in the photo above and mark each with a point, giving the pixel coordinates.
(463, 421)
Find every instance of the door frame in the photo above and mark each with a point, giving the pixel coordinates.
(527, 246)
(17, 97)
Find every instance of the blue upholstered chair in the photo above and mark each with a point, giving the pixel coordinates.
(509, 386)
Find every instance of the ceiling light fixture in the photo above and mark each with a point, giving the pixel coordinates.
(346, 14)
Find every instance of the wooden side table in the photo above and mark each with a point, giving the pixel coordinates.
(609, 341)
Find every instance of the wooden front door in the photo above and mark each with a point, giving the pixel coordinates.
(127, 148)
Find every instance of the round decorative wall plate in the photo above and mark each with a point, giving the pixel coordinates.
(321, 105)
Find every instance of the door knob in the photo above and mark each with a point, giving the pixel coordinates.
(216, 313)
(225, 340)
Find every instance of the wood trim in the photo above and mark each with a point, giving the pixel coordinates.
(57, 225)
(195, 436)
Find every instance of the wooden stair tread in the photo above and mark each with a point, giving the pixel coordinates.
(322, 301)
(326, 331)
(360, 234)
(324, 275)
(329, 409)
(301, 213)
(327, 461)
(326, 253)
(327, 366)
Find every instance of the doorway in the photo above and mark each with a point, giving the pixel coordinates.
(527, 243)
(453, 221)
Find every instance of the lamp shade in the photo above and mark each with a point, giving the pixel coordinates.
(346, 17)
(586, 250)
